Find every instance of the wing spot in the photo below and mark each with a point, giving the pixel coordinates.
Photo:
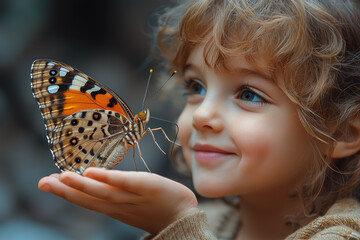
(52, 80)
(94, 93)
(81, 129)
(53, 89)
(53, 72)
(92, 152)
(63, 72)
(74, 122)
(90, 123)
(96, 116)
(68, 132)
(112, 102)
(77, 160)
(74, 141)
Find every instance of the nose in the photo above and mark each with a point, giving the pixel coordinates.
(208, 116)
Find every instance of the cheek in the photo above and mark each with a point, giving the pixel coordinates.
(253, 143)
(184, 123)
(185, 126)
(270, 145)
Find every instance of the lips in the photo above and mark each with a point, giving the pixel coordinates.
(209, 153)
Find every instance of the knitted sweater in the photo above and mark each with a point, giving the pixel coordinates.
(342, 221)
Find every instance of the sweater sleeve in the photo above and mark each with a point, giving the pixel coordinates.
(341, 222)
(337, 233)
(194, 226)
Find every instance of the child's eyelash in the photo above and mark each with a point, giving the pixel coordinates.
(254, 94)
(245, 87)
(186, 86)
(245, 93)
(189, 84)
(190, 81)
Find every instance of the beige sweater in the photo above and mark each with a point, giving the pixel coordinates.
(342, 221)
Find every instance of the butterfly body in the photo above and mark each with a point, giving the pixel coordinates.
(86, 123)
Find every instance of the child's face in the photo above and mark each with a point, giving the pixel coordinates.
(240, 133)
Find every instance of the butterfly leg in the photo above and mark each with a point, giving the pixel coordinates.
(152, 134)
(134, 159)
(137, 145)
(166, 137)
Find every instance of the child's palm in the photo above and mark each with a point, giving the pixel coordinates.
(144, 200)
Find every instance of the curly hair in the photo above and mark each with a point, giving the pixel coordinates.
(313, 44)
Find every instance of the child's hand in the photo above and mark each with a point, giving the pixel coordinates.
(143, 200)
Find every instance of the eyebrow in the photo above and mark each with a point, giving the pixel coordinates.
(189, 66)
(243, 71)
(247, 71)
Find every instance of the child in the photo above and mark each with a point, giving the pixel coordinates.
(272, 116)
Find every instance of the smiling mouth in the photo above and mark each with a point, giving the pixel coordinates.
(209, 153)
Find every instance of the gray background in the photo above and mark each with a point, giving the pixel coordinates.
(111, 42)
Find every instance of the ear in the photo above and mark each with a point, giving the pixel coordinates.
(349, 144)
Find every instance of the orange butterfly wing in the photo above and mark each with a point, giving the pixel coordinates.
(62, 90)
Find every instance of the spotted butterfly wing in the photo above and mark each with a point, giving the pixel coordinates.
(86, 123)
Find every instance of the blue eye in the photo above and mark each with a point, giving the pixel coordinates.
(194, 87)
(248, 95)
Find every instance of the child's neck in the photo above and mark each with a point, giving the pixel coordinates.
(270, 216)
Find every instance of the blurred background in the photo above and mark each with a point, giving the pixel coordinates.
(110, 41)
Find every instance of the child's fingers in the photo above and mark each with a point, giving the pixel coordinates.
(143, 184)
(135, 182)
(55, 186)
(46, 182)
(123, 179)
(97, 189)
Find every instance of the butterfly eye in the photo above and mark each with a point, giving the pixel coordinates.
(142, 116)
(53, 72)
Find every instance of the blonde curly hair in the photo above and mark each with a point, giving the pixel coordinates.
(313, 44)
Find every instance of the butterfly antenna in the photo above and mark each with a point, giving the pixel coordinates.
(173, 73)
(157, 92)
(146, 89)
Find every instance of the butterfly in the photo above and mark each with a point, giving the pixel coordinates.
(87, 124)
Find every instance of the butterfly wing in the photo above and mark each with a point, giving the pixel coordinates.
(64, 94)
(62, 90)
(89, 138)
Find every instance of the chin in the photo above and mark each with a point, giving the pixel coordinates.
(209, 189)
